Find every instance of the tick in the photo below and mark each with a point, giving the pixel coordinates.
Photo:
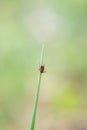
(41, 69)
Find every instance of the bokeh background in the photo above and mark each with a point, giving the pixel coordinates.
(62, 26)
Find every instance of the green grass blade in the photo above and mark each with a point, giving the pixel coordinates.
(37, 94)
(42, 55)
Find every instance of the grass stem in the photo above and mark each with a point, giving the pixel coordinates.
(37, 94)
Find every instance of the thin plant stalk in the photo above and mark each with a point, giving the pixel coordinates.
(37, 94)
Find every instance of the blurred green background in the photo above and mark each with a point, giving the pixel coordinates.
(62, 26)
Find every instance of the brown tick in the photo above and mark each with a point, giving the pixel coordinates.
(41, 69)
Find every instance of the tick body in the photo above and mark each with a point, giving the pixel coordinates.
(41, 69)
